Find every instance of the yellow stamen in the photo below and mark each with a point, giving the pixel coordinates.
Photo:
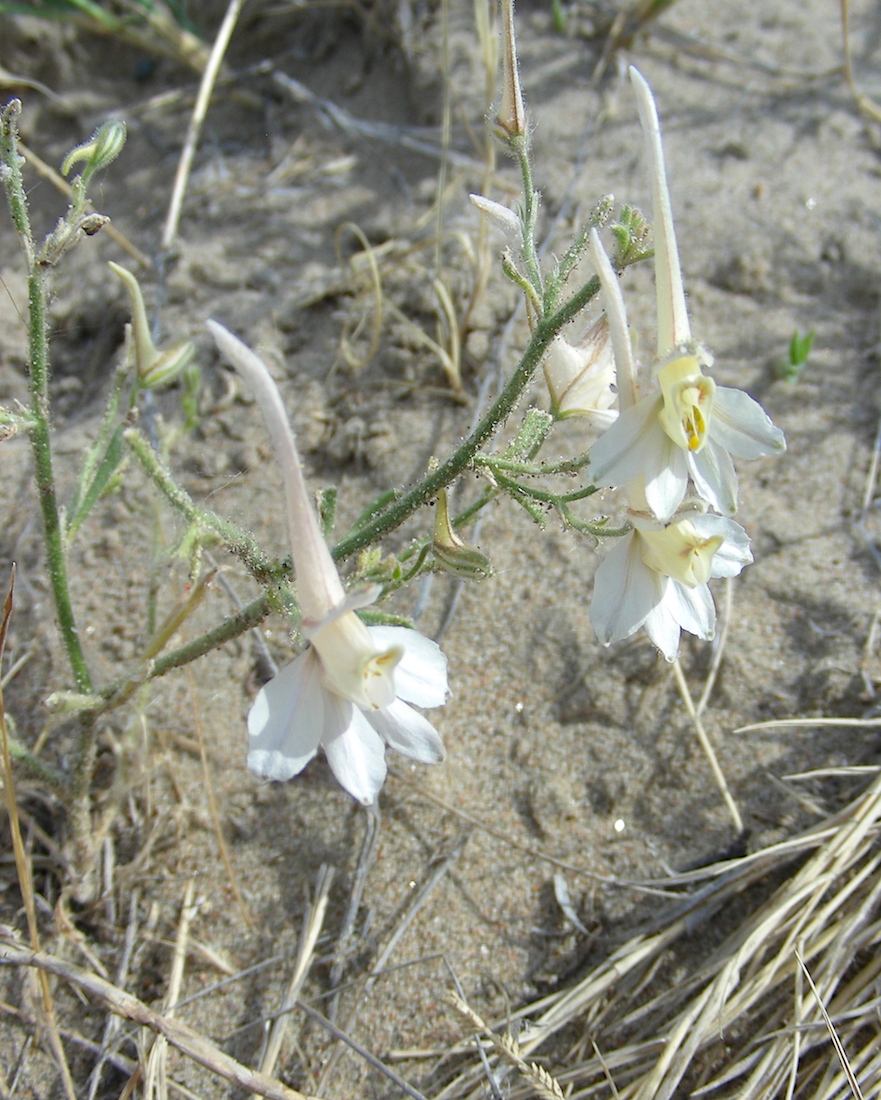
(679, 552)
(688, 402)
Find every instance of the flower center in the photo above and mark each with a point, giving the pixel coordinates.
(679, 552)
(351, 665)
(688, 402)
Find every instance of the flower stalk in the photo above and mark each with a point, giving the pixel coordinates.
(463, 457)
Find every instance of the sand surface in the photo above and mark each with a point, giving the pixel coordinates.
(558, 746)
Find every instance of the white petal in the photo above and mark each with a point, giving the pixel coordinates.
(421, 674)
(624, 592)
(601, 418)
(734, 553)
(353, 601)
(742, 426)
(662, 626)
(407, 732)
(619, 455)
(714, 478)
(693, 608)
(355, 751)
(286, 720)
(665, 470)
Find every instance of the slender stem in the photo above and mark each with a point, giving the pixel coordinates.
(532, 469)
(462, 458)
(38, 769)
(15, 192)
(38, 356)
(239, 542)
(42, 448)
(231, 627)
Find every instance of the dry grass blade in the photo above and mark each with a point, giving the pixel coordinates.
(729, 1024)
(864, 102)
(507, 1047)
(206, 87)
(313, 922)
(406, 137)
(707, 746)
(155, 1074)
(22, 864)
(338, 1033)
(407, 918)
(212, 806)
(111, 1028)
(186, 1039)
(833, 1034)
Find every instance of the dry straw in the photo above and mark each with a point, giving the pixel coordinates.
(668, 1015)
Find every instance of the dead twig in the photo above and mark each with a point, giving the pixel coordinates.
(186, 1039)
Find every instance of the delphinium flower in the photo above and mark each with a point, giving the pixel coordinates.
(350, 690)
(689, 426)
(656, 575)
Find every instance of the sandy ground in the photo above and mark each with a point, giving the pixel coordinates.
(558, 745)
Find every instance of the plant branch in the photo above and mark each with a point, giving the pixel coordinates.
(463, 456)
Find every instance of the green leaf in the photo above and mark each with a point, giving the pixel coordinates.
(800, 348)
(113, 456)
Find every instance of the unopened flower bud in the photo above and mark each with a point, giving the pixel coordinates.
(451, 552)
(154, 367)
(102, 148)
(169, 364)
(501, 217)
(511, 119)
(71, 702)
(581, 380)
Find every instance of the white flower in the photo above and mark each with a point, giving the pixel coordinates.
(692, 427)
(298, 710)
(656, 577)
(349, 691)
(581, 379)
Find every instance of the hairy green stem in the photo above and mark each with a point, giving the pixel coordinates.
(38, 769)
(253, 613)
(45, 476)
(463, 456)
(238, 541)
(38, 362)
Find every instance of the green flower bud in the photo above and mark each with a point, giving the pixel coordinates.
(102, 148)
(154, 367)
(168, 364)
(71, 702)
(451, 553)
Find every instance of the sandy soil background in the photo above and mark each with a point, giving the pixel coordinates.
(557, 745)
